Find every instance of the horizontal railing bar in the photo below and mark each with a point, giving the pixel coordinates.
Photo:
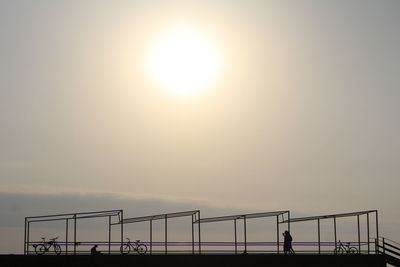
(387, 244)
(388, 249)
(386, 239)
(71, 218)
(72, 214)
(51, 220)
(203, 243)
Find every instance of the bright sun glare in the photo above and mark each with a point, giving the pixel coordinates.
(184, 62)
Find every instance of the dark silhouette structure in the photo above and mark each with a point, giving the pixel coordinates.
(195, 260)
(372, 249)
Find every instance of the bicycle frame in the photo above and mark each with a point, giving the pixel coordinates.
(45, 246)
(342, 248)
(346, 248)
(134, 246)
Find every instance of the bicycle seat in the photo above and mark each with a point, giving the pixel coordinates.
(44, 238)
(137, 241)
(54, 239)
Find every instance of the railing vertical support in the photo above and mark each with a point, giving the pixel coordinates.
(377, 225)
(198, 212)
(319, 237)
(277, 233)
(25, 237)
(27, 244)
(245, 234)
(368, 232)
(166, 235)
(109, 235)
(359, 238)
(122, 227)
(151, 236)
(288, 225)
(74, 234)
(334, 226)
(66, 236)
(234, 223)
(192, 234)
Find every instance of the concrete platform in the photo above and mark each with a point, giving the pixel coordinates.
(195, 260)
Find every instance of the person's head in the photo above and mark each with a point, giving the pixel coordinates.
(95, 246)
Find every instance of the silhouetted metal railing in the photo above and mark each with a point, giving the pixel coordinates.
(389, 248)
(196, 245)
(117, 215)
(213, 247)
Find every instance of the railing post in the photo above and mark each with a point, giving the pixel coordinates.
(319, 237)
(359, 238)
(377, 225)
(198, 212)
(122, 227)
(245, 235)
(109, 235)
(235, 236)
(66, 236)
(334, 225)
(277, 233)
(25, 237)
(74, 234)
(166, 235)
(383, 245)
(368, 238)
(151, 236)
(192, 234)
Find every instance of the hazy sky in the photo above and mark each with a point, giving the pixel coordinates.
(304, 114)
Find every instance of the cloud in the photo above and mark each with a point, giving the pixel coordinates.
(16, 206)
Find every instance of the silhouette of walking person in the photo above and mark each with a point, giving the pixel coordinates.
(287, 243)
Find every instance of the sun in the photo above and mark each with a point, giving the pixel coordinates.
(184, 62)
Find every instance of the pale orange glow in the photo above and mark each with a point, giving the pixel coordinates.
(184, 62)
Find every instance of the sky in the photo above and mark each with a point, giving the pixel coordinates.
(302, 116)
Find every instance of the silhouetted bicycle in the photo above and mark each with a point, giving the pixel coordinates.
(341, 249)
(45, 246)
(135, 246)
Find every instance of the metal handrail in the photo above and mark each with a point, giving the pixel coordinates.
(212, 247)
(385, 238)
(389, 249)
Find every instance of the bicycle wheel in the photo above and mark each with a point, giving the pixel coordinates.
(353, 250)
(338, 250)
(57, 249)
(125, 249)
(142, 249)
(40, 249)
